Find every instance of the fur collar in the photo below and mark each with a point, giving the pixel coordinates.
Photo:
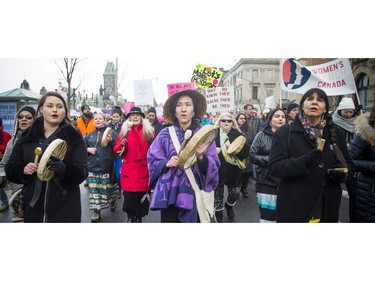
(36, 132)
(364, 130)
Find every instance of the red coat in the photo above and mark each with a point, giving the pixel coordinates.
(134, 170)
(7, 138)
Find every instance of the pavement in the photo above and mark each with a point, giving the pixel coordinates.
(246, 210)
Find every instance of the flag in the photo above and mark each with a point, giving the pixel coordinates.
(334, 77)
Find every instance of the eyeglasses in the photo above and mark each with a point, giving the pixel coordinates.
(226, 121)
(28, 117)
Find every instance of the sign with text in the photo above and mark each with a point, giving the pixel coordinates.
(174, 88)
(220, 99)
(206, 77)
(334, 77)
(8, 115)
(143, 92)
(128, 106)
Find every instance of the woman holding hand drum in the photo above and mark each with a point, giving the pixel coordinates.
(309, 190)
(173, 192)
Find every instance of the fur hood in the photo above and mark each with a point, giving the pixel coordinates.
(364, 130)
(36, 132)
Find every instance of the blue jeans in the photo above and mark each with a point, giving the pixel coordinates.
(3, 196)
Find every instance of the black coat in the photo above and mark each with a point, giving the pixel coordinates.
(303, 188)
(259, 156)
(60, 199)
(362, 151)
(230, 174)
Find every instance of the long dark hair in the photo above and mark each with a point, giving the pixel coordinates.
(57, 95)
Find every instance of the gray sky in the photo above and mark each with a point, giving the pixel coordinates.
(45, 72)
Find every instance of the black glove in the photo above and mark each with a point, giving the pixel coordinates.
(3, 181)
(57, 165)
(314, 157)
(337, 176)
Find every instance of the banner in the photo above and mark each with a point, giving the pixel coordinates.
(206, 77)
(334, 77)
(220, 99)
(128, 106)
(143, 92)
(173, 88)
(8, 115)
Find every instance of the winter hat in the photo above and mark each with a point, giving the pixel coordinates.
(28, 109)
(290, 107)
(135, 110)
(346, 103)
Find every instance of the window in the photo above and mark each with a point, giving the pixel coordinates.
(269, 92)
(362, 86)
(255, 93)
(255, 73)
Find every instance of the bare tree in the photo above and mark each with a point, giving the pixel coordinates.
(67, 69)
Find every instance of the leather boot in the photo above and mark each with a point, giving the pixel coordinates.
(219, 216)
(230, 211)
(244, 191)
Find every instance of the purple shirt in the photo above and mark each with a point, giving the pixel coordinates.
(173, 187)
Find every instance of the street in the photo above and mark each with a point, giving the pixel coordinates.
(246, 210)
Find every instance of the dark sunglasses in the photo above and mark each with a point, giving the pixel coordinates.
(28, 117)
(226, 121)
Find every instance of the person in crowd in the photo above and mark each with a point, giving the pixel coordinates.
(85, 123)
(172, 190)
(116, 119)
(291, 112)
(58, 199)
(266, 185)
(4, 139)
(24, 118)
(206, 120)
(246, 172)
(100, 160)
(309, 189)
(255, 125)
(152, 117)
(362, 151)
(116, 123)
(132, 145)
(344, 117)
(230, 171)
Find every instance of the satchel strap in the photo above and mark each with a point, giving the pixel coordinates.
(177, 146)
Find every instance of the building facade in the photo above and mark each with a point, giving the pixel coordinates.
(254, 80)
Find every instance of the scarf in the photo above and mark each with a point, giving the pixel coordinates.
(346, 124)
(313, 131)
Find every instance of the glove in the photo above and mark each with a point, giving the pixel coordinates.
(337, 176)
(57, 165)
(314, 157)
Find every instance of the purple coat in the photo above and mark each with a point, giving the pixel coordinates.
(172, 187)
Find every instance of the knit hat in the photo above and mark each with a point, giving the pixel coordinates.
(28, 109)
(290, 107)
(135, 110)
(199, 100)
(346, 103)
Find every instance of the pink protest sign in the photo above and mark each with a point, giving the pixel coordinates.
(128, 106)
(173, 88)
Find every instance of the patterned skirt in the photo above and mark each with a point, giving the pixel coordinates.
(267, 197)
(102, 192)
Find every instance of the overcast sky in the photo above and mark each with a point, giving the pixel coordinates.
(45, 72)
